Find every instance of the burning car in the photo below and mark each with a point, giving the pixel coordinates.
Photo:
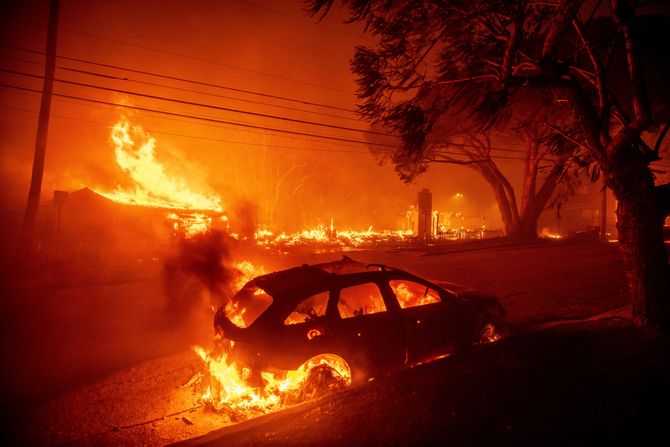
(369, 318)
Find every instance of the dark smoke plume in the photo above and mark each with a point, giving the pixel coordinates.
(200, 263)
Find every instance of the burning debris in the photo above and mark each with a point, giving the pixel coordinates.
(330, 237)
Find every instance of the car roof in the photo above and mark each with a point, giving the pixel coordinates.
(308, 279)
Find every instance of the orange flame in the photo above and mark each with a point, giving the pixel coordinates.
(230, 389)
(237, 389)
(135, 154)
(322, 235)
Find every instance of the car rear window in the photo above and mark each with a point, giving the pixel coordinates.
(309, 309)
(247, 305)
(362, 299)
(410, 293)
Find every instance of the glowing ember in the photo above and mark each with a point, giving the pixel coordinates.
(490, 334)
(135, 154)
(545, 233)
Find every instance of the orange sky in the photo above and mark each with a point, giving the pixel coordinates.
(293, 180)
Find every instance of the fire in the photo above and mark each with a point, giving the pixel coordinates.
(235, 389)
(329, 236)
(245, 393)
(409, 298)
(546, 233)
(153, 187)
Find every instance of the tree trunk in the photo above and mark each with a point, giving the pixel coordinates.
(640, 226)
(640, 216)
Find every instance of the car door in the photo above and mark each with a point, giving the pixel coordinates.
(368, 334)
(305, 332)
(432, 322)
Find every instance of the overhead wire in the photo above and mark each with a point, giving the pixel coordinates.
(199, 92)
(219, 140)
(252, 113)
(197, 104)
(198, 59)
(244, 143)
(218, 107)
(191, 81)
(495, 148)
(215, 120)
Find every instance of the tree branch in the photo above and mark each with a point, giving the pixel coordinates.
(513, 44)
(568, 137)
(625, 17)
(603, 101)
(569, 9)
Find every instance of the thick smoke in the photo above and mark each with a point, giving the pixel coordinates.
(200, 272)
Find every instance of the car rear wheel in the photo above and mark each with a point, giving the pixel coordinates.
(322, 374)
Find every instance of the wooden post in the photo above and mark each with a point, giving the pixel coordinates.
(30, 217)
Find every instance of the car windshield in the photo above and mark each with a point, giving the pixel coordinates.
(247, 305)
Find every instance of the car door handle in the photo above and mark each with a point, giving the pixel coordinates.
(314, 333)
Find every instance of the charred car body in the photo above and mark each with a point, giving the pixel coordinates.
(376, 318)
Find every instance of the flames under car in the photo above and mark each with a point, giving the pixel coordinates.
(373, 317)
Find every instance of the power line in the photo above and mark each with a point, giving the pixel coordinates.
(184, 115)
(198, 104)
(233, 141)
(499, 157)
(126, 79)
(185, 56)
(220, 140)
(213, 85)
(191, 81)
(197, 122)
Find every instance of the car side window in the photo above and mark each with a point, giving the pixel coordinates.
(362, 299)
(309, 309)
(410, 293)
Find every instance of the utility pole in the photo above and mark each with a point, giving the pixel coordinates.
(603, 212)
(28, 229)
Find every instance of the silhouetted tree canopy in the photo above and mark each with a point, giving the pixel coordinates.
(604, 62)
